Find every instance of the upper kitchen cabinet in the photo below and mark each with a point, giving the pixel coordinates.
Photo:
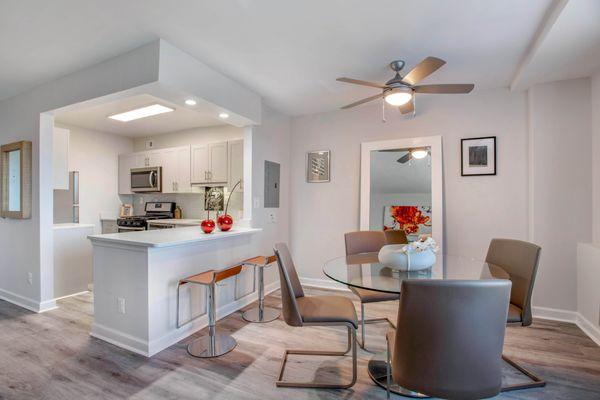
(210, 163)
(60, 158)
(176, 176)
(236, 163)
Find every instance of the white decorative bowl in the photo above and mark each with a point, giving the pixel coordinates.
(393, 256)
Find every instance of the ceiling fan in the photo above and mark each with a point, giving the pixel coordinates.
(400, 90)
(414, 153)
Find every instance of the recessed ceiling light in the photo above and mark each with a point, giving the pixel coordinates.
(190, 102)
(142, 112)
(223, 115)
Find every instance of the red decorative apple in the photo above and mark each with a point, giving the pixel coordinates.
(224, 222)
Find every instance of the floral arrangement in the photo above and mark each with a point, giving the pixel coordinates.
(408, 218)
(424, 243)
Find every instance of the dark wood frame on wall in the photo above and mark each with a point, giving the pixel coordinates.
(25, 211)
(462, 155)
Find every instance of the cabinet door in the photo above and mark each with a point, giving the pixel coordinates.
(60, 158)
(169, 170)
(199, 170)
(236, 163)
(183, 183)
(155, 158)
(217, 154)
(141, 160)
(126, 162)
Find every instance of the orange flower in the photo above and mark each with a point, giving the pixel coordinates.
(409, 218)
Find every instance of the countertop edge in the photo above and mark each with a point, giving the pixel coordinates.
(207, 238)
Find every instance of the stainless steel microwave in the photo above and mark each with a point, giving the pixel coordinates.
(144, 180)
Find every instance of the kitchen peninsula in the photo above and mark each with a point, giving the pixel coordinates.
(136, 276)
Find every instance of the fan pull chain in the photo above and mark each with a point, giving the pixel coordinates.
(383, 110)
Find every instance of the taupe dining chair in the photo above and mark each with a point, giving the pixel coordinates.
(367, 242)
(449, 337)
(395, 236)
(300, 310)
(520, 260)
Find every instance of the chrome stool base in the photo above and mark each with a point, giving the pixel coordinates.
(208, 347)
(378, 373)
(267, 314)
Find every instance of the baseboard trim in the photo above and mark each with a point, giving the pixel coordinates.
(72, 295)
(150, 348)
(593, 331)
(27, 303)
(554, 314)
(323, 284)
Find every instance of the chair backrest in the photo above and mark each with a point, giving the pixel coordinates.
(227, 273)
(364, 242)
(395, 236)
(449, 337)
(520, 260)
(291, 288)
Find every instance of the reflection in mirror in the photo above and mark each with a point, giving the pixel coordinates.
(14, 180)
(400, 192)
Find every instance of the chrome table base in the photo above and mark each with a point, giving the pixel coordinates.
(377, 372)
(211, 346)
(267, 314)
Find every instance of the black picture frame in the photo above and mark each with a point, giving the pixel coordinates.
(462, 156)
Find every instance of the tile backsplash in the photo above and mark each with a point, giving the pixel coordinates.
(192, 204)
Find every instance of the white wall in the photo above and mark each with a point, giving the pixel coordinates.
(476, 208)
(96, 156)
(561, 164)
(595, 99)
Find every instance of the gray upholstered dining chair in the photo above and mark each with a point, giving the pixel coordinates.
(300, 310)
(520, 261)
(449, 337)
(367, 242)
(395, 236)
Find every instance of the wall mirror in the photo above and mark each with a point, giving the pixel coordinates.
(401, 187)
(16, 180)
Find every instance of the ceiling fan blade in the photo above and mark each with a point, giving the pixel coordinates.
(356, 103)
(405, 158)
(456, 88)
(425, 68)
(408, 107)
(363, 83)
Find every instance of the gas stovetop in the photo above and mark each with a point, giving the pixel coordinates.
(155, 210)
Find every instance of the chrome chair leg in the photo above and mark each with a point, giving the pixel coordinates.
(261, 313)
(535, 380)
(364, 322)
(388, 369)
(351, 346)
(214, 344)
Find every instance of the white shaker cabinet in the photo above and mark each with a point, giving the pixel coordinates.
(176, 170)
(210, 163)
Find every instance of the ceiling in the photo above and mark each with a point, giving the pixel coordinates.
(95, 118)
(289, 52)
(389, 176)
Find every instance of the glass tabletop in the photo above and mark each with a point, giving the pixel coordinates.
(366, 272)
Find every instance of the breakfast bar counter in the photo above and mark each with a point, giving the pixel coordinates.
(135, 277)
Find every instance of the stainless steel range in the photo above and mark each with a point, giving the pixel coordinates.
(154, 210)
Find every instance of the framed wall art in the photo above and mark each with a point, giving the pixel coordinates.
(478, 156)
(318, 166)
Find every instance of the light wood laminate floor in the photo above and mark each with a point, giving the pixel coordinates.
(52, 356)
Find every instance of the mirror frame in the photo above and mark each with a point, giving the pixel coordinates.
(437, 187)
(25, 148)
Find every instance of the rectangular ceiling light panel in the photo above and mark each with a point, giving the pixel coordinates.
(143, 112)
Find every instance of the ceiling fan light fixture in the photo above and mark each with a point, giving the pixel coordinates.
(418, 153)
(398, 97)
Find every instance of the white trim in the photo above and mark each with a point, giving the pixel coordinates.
(437, 177)
(148, 349)
(73, 295)
(27, 303)
(573, 317)
(593, 331)
(323, 284)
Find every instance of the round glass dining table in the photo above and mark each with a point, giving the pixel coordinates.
(364, 271)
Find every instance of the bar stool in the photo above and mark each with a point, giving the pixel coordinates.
(261, 313)
(214, 344)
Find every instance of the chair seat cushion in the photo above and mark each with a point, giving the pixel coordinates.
(372, 296)
(327, 309)
(514, 313)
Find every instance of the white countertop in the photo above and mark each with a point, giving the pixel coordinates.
(71, 225)
(168, 237)
(182, 221)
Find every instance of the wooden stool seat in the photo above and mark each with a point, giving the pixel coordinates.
(261, 313)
